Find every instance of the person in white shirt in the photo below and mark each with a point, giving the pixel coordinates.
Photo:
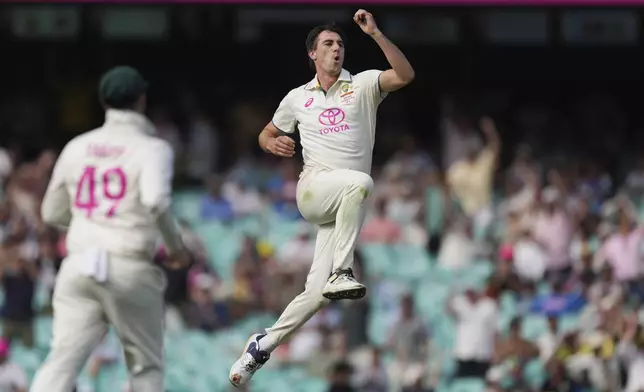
(476, 316)
(111, 187)
(335, 114)
(631, 353)
(12, 376)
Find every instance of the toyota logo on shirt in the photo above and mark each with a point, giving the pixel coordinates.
(333, 116)
(332, 120)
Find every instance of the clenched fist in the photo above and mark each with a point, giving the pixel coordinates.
(282, 146)
(366, 22)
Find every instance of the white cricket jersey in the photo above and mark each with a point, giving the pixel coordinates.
(111, 186)
(337, 129)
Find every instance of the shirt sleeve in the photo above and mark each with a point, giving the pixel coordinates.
(156, 177)
(56, 205)
(156, 192)
(284, 117)
(18, 378)
(461, 306)
(370, 82)
(487, 159)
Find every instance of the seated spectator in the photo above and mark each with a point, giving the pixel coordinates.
(5, 220)
(558, 380)
(12, 376)
(631, 352)
(605, 287)
(373, 377)
(458, 249)
(415, 233)
(19, 284)
(589, 366)
(340, 378)
(410, 158)
(404, 204)
(514, 346)
(297, 254)
(529, 258)
(622, 251)
(244, 199)
(548, 342)
(409, 341)
(380, 228)
(320, 342)
(282, 191)
(553, 231)
(213, 205)
(505, 275)
(634, 182)
(203, 312)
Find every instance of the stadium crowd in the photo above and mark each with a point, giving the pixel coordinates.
(558, 242)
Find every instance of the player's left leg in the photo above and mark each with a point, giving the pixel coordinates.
(78, 327)
(299, 311)
(134, 305)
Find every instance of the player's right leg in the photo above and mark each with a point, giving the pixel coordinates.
(340, 194)
(78, 327)
(133, 300)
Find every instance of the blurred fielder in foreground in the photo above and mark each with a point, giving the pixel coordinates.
(112, 188)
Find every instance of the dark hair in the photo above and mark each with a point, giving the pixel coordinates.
(515, 323)
(312, 38)
(342, 367)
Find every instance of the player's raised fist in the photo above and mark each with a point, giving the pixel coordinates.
(366, 22)
(282, 146)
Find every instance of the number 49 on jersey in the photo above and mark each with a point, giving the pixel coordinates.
(113, 184)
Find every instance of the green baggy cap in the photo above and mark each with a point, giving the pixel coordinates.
(121, 86)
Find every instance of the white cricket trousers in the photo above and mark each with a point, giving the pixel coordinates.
(333, 200)
(131, 300)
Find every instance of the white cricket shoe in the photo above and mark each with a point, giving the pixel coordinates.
(343, 285)
(251, 360)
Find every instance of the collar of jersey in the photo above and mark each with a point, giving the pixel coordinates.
(314, 84)
(114, 116)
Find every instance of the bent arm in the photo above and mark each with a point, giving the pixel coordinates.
(401, 72)
(156, 193)
(269, 132)
(56, 205)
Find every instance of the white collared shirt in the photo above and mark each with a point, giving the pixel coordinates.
(476, 328)
(337, 128)
(634, 360)
(112, 186)
(12, 378)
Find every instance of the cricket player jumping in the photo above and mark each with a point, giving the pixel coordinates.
(336, 117)
(112, 188)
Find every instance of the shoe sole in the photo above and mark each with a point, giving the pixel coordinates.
(248, 342)
(352, 294)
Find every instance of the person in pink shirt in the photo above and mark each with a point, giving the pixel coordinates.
(553, 230)
(622, 251)
(380, 229)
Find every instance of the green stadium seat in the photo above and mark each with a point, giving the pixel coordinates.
(409, 262)
(223, 245)
(378, 259)
(465, 385)
(187, 204)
